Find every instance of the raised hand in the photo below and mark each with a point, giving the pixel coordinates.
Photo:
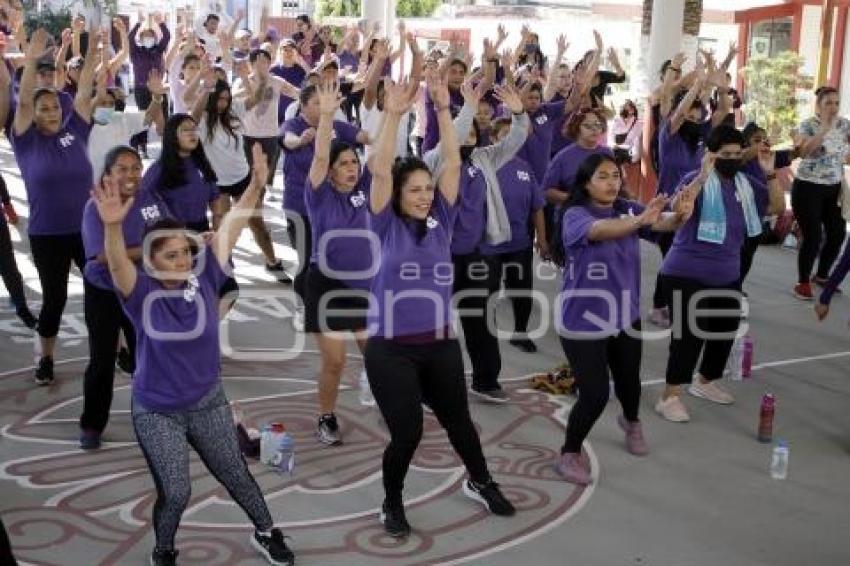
(489, 50)
(684, 207)
(66, 37)
(438, 90)
(501, 34)
(509, 96)
(155, 83)
(600, 46)
(307, 136)
(653, 210)
(767, 158)
(398, 99)
(612, 56)
(38, 43)
(678, 60)
(118, 23)
(329, 97)
(707, 166)
(158, 18)
(107, 199)
(471, 95)
(562, 45)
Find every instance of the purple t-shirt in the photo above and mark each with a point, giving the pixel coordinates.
(294, 75)
(599, 275)
(57, 176)
(177, 352)
(348, 59)
(468, 232)
(187, 203)
(675, 157)
(297, 163)
(713, 264)
(753, 169)
(330, 209)
(145, 211)
(561, 173)
(523, 196)
(432, 125)
(411, 293)
(559, 140)
(538, 147)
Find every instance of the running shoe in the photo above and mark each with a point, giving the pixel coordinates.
(489, 495)
(279, 272)
(570, 467)
(273, 547)
(711, 391)
(672, 409)
(164, 558)
(89, 439)
(635, 442)
(496, 395)
(328, 430)
(524, 344)
(44, 371)
(803, 291)
(393, 518)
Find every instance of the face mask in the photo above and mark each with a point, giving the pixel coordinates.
(103, 115)
(148, 42)
(727, 167)
(690, 133)
(466, 152)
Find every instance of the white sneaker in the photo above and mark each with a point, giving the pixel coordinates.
(298, 319)
(672, 409)
(366, 397)
(711, 392)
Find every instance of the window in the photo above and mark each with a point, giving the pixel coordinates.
(768, 38)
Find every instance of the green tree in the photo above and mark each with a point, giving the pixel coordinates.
(404, 8)
(771, 87)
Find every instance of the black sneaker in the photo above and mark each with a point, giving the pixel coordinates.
(524, 344)
(273, 547)
(89, 439)
(392, 516)
(125, 362)
(490, 496)
(328, 430)
(164, 558)
(496, 395)
(44, 371)
(279, 272)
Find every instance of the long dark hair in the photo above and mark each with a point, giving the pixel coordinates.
(173, 173)
(580, 196)
(403, 168)
(112, 157)
(228, 120)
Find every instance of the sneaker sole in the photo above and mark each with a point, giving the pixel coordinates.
(43, 382)
(622, 422)
(328, 442)
(803, 297)
(701, 395)
(382, 517)
(262, 550)
(487, 398)
(474, 495)
(671, 420)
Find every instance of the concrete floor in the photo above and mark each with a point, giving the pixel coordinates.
(703, 497)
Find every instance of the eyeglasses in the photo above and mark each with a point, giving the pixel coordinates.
(593, 125)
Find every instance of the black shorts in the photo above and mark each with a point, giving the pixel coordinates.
(353, 303)
(236, 190)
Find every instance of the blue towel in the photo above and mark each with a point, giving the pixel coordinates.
(712, 219)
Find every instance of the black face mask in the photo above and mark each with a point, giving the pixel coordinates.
(466, 152)
(690, 132)
(727, 167)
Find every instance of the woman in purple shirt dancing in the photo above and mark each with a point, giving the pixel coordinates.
(178, 399)
(410, 355)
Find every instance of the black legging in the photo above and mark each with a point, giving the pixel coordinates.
(591, 361)
(687, 342)
(816, 208)
(665, 242)
(52, 256)
(298, 227)
(208, 428)
(11, 275)
(748, 252)
(516, 272)
(104, 319)
(401, 377)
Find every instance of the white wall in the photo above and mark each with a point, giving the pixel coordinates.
(810, 38)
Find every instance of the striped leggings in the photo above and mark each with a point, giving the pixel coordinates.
(208, 428)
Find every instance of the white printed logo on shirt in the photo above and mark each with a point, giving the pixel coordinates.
(523, 175)
(150, 213)
(542, 119)
(358, 199)
(191, 290)
(67, 139)
(472, 170)
(431, 223)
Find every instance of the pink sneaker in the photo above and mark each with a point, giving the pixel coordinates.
(570, 467)
(635, 442)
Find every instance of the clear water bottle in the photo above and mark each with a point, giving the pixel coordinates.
(284, 457)
(779, 461)
(266, 446)
(366, 397)
(734, 363)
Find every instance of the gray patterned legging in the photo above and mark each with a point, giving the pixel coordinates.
(208, 427)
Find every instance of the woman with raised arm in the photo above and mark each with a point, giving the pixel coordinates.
(342, 262)
(599, 323)
(52, 156)
(412, 356)
(177, 398)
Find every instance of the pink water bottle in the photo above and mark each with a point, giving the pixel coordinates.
(747, 357)
(768, 408)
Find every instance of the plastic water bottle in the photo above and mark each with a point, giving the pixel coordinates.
(734, 364)
(779, 461)
(266, 447)
(768, 408)
(366, 397)
(284, 456)
(747, 347)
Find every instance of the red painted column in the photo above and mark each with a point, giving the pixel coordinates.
(838, 47)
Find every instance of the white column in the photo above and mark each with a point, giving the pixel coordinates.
(665, 37)
(381, 11)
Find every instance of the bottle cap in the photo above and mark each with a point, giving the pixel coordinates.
(277, 427)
